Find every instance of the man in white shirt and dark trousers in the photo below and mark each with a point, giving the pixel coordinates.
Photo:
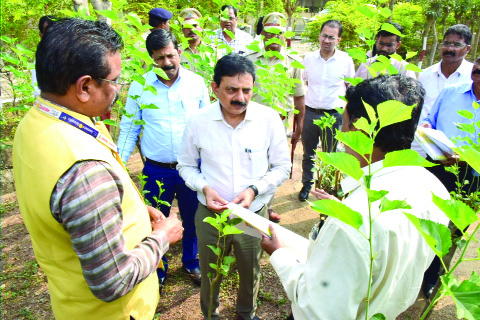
(244, 158)
(323, 72)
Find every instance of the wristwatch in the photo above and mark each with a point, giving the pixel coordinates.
(255, 190)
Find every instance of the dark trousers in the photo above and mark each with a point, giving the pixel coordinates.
(175, 187)
(312, 134)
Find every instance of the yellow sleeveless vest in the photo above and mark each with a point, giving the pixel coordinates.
(44, 149)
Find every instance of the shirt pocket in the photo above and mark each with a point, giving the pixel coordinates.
(255, 162)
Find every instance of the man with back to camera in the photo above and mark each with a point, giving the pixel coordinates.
(452, 69)
(296, 94)
(162, 134)
(244, 158)
(386, 44)
(90, 229)
(324, 71)
(228, 21)
(333, 282)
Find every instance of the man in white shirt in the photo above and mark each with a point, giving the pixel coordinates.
(452, 69)
(244, 158)
(324, 70)
(333, 282)
(228, 21)
(386, 44)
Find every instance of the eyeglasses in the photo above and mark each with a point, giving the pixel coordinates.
(388, 45)
(326, 36)
(228, 19)
(456, 45)
(119, 82)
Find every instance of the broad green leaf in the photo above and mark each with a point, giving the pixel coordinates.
(230, 33)
(139, 122)
(378, 316)
(289, 34)
(362, 124)
(466, 127)
(353, 81)
(253, 47)
(228, 229)
(110, 122)
(339, 211)
(467, 299)
(234, 221)
(152, 89)
(356, 140)
(385, 12)
(397, 57)
(466, 114)
(215, 250)
(469, 154)
(460, 213)
(228, 260)
(475, 277)
(412, 67)
(387, 205)
(392, 69)
(384, 60)
(109, 14)
(366, 32)
(212, 221)
(393, 111)
(366, 11)
(297, 65)
(213, 266)
(149, 106)
(372, 115)
(410, 54)
(390, 28)
(374, 195)
(475, 105)
(407, 157)
(138, 78)
(344, 162)
(436, 235)
(377, 67)
(159, 72)
(358, 54)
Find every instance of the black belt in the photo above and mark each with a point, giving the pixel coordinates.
(172, 165)
(320, 111)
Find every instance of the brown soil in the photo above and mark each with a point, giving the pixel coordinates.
(25, 294)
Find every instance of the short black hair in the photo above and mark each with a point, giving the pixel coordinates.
(461, 30)
(333, 24)
(259, 28)
(45, 20)
(229, 6)
(159, 39)
(376, 90)
(385, 33)
(72, 48)
(231, 65)
(155, 21)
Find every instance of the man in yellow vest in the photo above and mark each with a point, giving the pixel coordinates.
(97, 242)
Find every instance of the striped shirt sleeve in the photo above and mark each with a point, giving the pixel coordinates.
(87, 202)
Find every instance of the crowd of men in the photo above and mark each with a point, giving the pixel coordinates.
(100, 245)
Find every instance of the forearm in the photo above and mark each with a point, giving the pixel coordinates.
(299, 103)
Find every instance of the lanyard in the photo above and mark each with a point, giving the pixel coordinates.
(62, 116)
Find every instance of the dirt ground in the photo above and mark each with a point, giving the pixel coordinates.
(25, 295)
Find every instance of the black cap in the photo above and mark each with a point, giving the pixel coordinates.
(159, 13)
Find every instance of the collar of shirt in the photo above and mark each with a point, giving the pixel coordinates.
(463, 69)
(318, 56)
(217, 115)
(349, 184)
(151, 76)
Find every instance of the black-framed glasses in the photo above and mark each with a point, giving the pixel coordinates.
(388, 45)
(326, 36)
(456, 45)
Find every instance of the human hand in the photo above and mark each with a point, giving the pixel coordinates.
(296, 137)
(171, 226)
(322, 194)
(425, 125)
(214, 202)
(155, 215)
(271, 244)
(245, 198)
(451, 159)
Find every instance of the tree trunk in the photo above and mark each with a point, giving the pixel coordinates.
(102, 5)
(79, 4)
(435, 43)
(476, 41)
(392, 2)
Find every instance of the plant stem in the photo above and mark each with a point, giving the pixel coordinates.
(434, 301)
(370, 223)
(465, 249)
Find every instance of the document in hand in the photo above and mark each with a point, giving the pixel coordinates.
(258, 225)
(434, 142)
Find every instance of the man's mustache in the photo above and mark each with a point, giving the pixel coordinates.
(239, 103)
(170, 67)
(476, 71)
(449, 53)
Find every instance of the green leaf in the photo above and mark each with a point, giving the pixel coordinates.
(392, 69)
(358, 54)
(356, 140)
(297, 65)
(384, 60)
(228, 260)
(234, 221)
(289, 34)
(475, 105)
(435, 234)
(475, 277)
(407, 157)
(372, 115)
(393, 111)
(253, 47)
(469, 154)
(466, 298)
(366, 11)
(108, 14)
(110, 122)
(138, 78)
(378, 316)
(213, 266)
(410, 54)
(344, 162)
(228, 229)
(148, 106)
(460, 213)
(159, 72)
(385, 12)
(230, 33)
(139, 122)
(397, 57)
(353, 81)
(412, 67)
(152, 89)
(374, 195)
(362, 124)
(466, 114)
(387, 205)
(390, 28)
(466, 127)
(215, 250)
(339, 211)
(212, 221)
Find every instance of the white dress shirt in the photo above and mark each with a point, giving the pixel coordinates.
(362, 71)
(333, 283)
(242, 39)
(434, 82)
(324, 79)
(254, 153)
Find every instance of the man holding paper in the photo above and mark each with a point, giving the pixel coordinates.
(244, 158)
(333, 282)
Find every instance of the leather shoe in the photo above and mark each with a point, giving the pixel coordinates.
(161, 283)
(273, 216)
(195, 274)
(303, 195)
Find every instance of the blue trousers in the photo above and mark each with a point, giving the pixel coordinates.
(175, 187)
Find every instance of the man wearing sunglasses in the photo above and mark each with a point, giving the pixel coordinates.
(386, 44)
